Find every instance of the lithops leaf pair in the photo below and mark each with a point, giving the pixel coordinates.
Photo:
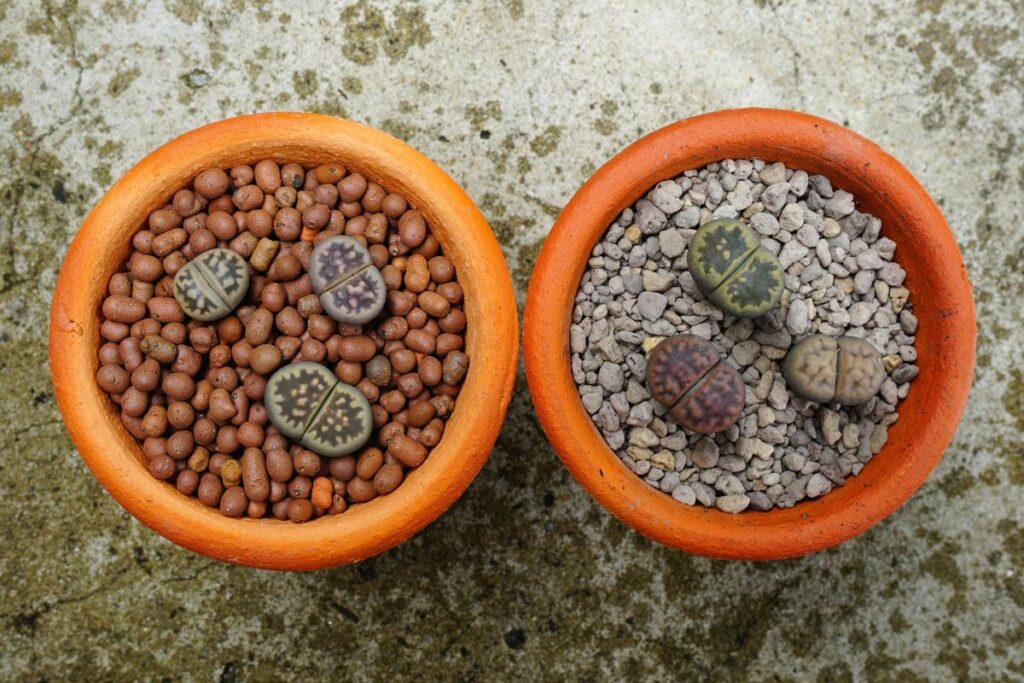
(733, 270)
(350, 287)
(846, 370)
(308, 404)
(212, 284)
(703, 393)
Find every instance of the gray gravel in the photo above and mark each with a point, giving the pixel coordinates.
(841, 278)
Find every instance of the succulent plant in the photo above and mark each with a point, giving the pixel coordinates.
(847, 370)
(733, 270)
(212, 284)
(308, 404)
(350, 287)
(702, 392)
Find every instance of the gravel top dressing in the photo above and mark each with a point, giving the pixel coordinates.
(840, 280)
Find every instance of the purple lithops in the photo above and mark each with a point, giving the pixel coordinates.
(350, 287)
(703, 393)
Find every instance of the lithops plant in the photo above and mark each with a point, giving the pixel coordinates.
(212, 284)
(733, 270)
(703, 393)
(350, 287)
(308, 404)
(847, 370)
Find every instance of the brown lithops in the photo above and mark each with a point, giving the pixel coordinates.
(847, 370)
(703, 393)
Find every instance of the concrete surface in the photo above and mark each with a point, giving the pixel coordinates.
(526, 578)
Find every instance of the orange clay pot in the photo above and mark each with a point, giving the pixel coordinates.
(936, 279)
(101, 247)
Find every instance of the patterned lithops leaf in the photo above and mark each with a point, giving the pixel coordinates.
(227, 272)
(358, 300)
(755, 287)
(676, 364)
(295, 394)
(810, 368)
(714, 404)
(859, 373)
(196, 297)
(335, 259)
(342, 425)
(717, 249)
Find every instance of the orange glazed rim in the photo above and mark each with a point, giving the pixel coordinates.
(101, 247)
(936, 278)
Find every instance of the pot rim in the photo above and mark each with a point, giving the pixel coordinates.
(936, 278)
(366, 529)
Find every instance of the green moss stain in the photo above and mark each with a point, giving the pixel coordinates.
(352, 85)
(1013, 397)
(121, 80)
(515, 8)
(368, 32)
(185, 10)
(8, 50)
(547, 142)
(9, 97)
(607, 123)
(305, 83)
(479, 115)
(941, 564)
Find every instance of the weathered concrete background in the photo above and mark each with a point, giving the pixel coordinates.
(526, 577)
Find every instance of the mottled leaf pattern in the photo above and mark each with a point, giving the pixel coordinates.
(342, 425)
(860, 373)
(703, 393)
(847, 371)
(227, 272)
(810, 368)
(335, 259)
(358, 300)
(196, 298)
(351, 289)
(212, 285)
(713, 405)
(294, 394)
(717, 248)
(754, 289)
(733, 270)
(676, 364)
(307, 403)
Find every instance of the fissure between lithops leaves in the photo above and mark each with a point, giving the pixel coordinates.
(212, 283)
(700, 381)
(735, 269)
(342, 279)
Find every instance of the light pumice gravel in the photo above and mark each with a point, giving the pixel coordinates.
(841, 279)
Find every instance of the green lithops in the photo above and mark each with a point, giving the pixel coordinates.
(351, 289)
(847, 370)
(733, 270)
(212, 284)
(308, 404)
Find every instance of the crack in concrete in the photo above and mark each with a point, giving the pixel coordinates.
(797, 79)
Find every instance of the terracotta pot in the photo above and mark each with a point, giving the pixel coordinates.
(935, 276)
(101, 247)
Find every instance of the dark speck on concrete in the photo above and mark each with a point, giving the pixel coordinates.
(515, 639)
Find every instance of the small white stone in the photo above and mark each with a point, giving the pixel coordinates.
(733, 503)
